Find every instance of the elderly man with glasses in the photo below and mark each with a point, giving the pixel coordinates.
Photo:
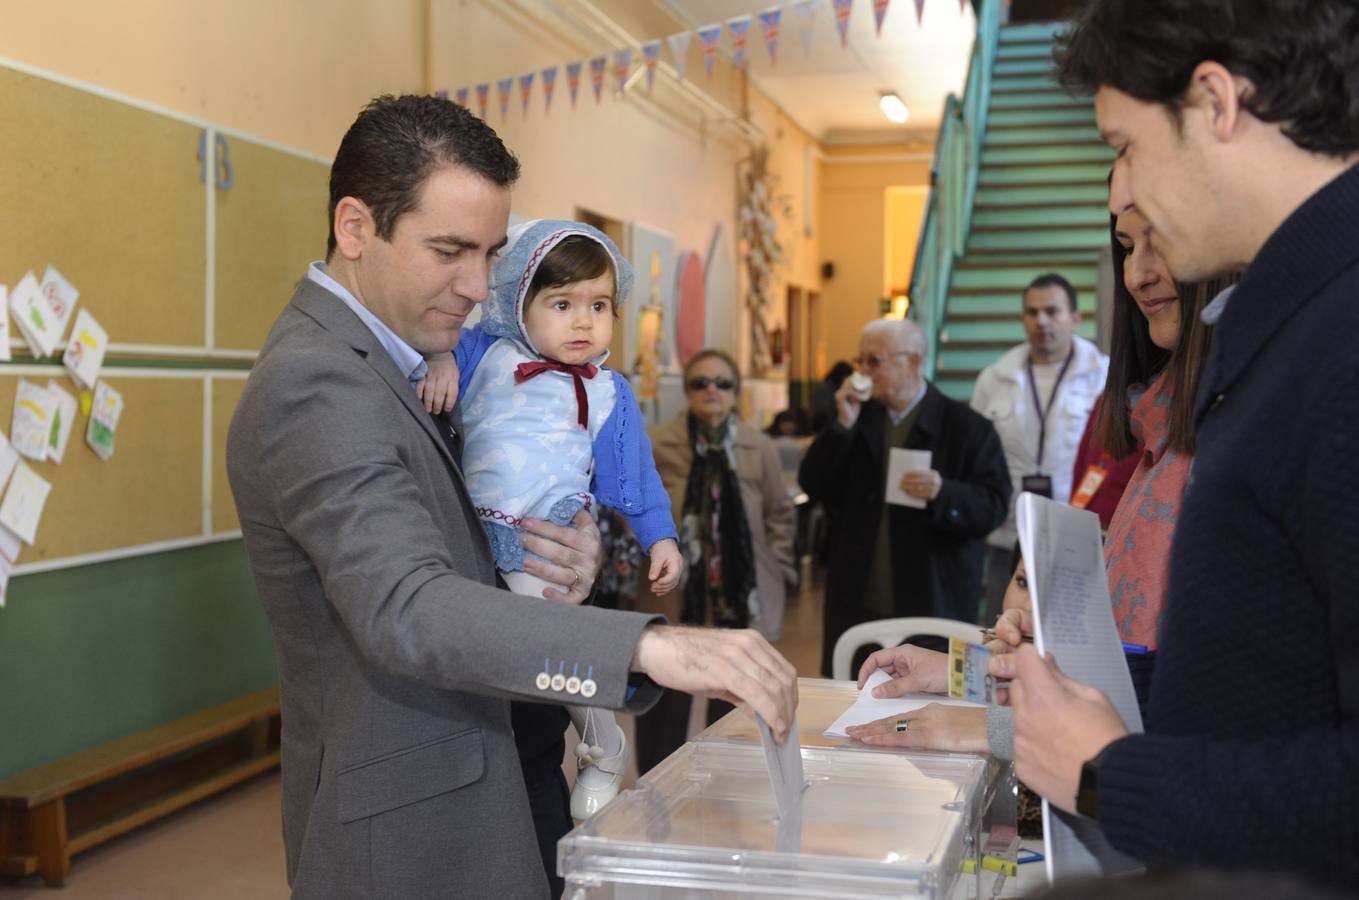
(888, 560)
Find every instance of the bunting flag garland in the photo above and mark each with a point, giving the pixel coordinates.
(597, 76)
(573, 79)
(622, 66)
(707, 36)
(769, 25)
(651, 51)
(843, 8)
(806, 22)
(920, 12)
(679, 52)
(503, 89)
(962, 7)
(525, 88)
(880, 13)
(483, 95)
(549, 82)
(739, 30)
(460, 97)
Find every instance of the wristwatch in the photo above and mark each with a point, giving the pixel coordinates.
(1087, 794)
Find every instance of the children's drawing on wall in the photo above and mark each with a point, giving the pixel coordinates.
(31, 427)
(63, 418)
(85, 349)
(22, 508)
(104, 415)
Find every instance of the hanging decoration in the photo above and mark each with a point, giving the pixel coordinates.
(920, 12)
(880, 13)
(549, 83)
(757, 228)
(525, 89)
(573, 79)
(707, 36)
(679, 52)
(483, 98)
(843, 8)
(503, 88)
(651, 51)
(738, 28)
(460, 97)
(769, 27)
(597, 66)
(622, 66)
(442, 95)
(806, 22)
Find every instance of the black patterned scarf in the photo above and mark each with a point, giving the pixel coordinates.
(714, 534)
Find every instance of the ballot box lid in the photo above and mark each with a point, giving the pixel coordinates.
(703, 823)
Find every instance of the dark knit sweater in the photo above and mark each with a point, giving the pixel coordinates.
(1251, 756)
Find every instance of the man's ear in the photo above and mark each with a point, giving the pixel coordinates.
(1217, 94)
(354, 227)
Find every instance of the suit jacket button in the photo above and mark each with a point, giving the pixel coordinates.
(558, 682)
(544, 681)
(573, 685)
(588, 688)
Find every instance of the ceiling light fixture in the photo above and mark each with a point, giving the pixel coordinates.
(893, 108)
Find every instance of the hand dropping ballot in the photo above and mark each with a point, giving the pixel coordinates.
(785, 769)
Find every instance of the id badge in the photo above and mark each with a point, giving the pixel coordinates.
(1037, 484)
(1094, 477)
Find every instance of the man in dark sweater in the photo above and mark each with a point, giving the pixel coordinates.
(1236, 126)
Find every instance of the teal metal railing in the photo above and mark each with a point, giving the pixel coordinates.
(953, 185)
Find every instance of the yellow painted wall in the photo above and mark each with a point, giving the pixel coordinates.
(853, 220)
(905, 205)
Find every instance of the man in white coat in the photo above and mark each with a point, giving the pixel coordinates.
(1038, 396)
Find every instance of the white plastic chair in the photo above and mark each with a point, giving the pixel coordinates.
(891, 632)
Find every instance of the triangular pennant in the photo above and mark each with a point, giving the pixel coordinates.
(503, 89)
(806, 22)
(549, 82)
(842, 10)
(769, 26)
(460, 97)
(707, 36)
(651, 51)
(962, 7)
(597, 76)
(442, 95)
(739, 30)
(679, 52)
(622, 66)
(573, 79)
(920, 12)
(526, 88)
(880, 13)
(483, 95)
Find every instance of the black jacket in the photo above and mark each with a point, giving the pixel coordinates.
(937, 551)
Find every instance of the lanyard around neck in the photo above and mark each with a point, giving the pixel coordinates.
(1038, 404)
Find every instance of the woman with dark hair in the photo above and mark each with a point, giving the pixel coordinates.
(823, 395)
(735, 520)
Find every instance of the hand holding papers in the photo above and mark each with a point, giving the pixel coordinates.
(868, 708)
(899, 462)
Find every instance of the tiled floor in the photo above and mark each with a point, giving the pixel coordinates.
(231, 847)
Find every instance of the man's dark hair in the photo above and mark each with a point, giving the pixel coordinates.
(397, 142)
(573, 258)
(1301, 56)
(1052, 279)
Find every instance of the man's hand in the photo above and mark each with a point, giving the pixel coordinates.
(1059, 724)
(666, 566)
(914, 670)
(438, 390)
(847, 404)
(571, 555)
(738, 666)
(922, 484)
(932, 727)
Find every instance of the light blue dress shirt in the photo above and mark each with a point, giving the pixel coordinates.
(409, 361)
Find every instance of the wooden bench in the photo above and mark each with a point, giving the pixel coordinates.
(52, 812)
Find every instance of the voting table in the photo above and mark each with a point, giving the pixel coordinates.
(873, 823)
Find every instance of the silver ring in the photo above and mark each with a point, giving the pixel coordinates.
(903, 726)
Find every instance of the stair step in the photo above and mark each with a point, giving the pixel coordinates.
(1047, 154)
(1049, 97)
(1080, 133)
(959, 360)
(1086, 215)
(1018, 84)
(1031, 32)
(1087, 173)
(1082, 114)
(964, 334)
(985, 285)
(1023, 195)
(1057, 239)
(993, 307)
(1024, 50)
(1004, 68)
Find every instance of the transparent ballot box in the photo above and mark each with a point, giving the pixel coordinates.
(703, 823)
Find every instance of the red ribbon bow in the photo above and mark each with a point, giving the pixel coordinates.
(526, 370)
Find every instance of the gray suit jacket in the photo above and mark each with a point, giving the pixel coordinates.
(397, 654)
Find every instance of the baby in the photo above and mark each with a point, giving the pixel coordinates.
(548, 432)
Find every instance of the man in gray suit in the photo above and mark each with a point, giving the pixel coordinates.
(397, 653)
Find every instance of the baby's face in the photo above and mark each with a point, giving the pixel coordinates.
(572, 323)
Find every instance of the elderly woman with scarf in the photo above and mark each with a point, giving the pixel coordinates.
(736, 524)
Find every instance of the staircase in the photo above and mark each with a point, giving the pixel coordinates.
(1040, 207)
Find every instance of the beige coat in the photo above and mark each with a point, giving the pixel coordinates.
(769, 510)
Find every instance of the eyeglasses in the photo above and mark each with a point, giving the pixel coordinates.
(702, 384)
(872, 362)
